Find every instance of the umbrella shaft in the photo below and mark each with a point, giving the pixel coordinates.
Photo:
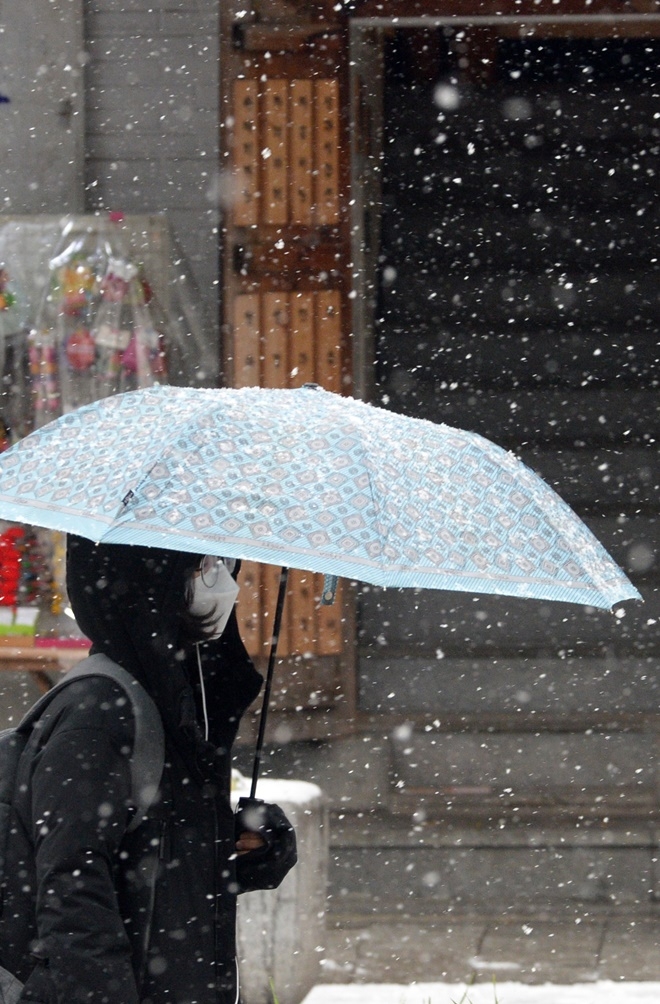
(269, 678)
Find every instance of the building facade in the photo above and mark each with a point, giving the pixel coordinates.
(446, 208)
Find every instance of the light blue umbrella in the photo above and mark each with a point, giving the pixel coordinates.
(307, 479)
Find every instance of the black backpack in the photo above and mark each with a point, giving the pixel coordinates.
(146, 766)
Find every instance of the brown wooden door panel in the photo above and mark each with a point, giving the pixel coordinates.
(285, 152)
(302, 151)
(245, 154)
(285, 251)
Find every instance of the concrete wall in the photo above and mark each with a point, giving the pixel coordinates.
(152, 95)
(41, 104)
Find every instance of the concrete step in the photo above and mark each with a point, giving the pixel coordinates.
(562, 947)
(380, 863)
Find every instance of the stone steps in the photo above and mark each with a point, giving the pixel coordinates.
(381, 863)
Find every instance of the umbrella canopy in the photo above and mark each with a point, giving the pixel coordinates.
(307, 479)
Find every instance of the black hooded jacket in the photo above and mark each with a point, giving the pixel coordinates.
(93, 879)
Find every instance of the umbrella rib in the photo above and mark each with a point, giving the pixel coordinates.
(377, 510)
(133, 492)
(573, 529)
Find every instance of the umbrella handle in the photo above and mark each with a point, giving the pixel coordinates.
(269, 678)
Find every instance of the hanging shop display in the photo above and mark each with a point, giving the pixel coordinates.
(100, 328)
(108, 306)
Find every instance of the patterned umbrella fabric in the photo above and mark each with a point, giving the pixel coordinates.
(307, 479)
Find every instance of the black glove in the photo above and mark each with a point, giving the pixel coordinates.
(265, 867)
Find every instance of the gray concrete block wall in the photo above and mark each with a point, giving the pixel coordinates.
(152, 121)
(491, 879)
(541, 764)
(353, 772)
(41, 120)
(599, 685)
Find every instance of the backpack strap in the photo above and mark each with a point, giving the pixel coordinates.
(148, 755)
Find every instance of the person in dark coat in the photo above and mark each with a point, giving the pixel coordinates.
(106, 931)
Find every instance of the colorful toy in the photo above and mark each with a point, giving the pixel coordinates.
(80, 349)
(74, 286)
(7, 298)
(24, 575)
(43, 373)
(5, 440)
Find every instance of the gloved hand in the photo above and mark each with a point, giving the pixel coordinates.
(266, 866)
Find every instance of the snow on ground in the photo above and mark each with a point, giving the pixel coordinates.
(602, 992)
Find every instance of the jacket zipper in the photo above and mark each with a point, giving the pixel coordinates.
(216, 907)
(216, 910)
(162, 855)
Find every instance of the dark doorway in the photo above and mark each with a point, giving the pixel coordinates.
(518, 297)
(519, 249)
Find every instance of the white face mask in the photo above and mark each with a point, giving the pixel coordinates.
(214, 591)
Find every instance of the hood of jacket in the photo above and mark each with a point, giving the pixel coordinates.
(128, 600)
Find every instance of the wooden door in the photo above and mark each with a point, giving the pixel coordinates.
(285, 303)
